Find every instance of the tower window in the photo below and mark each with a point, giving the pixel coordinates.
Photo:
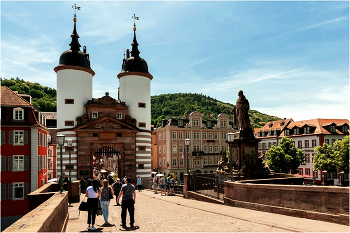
(95, 115)
(69, 101)
(142, 124)
(95, 134)
(119, 115)
(119, 134)
(142, 105)
(69, 123)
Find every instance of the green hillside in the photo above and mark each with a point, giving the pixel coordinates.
(163, 106)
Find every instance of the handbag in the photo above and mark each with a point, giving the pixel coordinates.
(83, 206)
(99, 208)
(110, 194)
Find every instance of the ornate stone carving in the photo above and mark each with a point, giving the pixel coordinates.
(107, 100)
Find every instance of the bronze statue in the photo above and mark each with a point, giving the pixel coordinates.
(241, 117)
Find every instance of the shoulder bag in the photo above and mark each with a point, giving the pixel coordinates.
(110, 193)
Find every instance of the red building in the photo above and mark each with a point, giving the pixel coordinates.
(23, 154)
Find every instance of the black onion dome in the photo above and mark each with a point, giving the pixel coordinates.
(134, 63)
(73, 56)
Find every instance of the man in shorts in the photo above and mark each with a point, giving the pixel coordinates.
(162, 185)
(155, 184)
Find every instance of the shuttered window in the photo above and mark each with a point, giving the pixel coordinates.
(17, 190)
(3, 137)
(3, 163)
(24, 160)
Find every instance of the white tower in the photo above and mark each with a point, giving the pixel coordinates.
(74, 83)
(135, 91)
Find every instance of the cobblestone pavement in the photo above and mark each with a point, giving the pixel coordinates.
(156, 213)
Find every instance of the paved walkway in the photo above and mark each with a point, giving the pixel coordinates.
(156, 213)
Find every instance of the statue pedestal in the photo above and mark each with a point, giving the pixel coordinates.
(247, 152)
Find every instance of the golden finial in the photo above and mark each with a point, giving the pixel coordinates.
(75, 7)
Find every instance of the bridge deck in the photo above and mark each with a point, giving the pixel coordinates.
(154, 212)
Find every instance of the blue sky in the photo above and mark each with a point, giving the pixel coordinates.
(291, 59)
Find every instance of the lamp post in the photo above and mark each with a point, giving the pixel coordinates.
(341, 176)
(69, 144)
(230, 139)
(187, 143)
(324, 176)
(60, 142)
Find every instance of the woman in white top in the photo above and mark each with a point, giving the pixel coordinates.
(93, 193)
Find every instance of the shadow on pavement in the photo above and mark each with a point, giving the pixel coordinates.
(129, 228)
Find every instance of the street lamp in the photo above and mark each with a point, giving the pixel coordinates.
(70, 144)
(324, 176)
(60, 142)
(230, 139)
(187, 143)
(341, 176)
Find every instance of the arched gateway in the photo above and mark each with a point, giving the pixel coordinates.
(106, 158)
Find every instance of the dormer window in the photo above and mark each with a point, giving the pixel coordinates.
(344, 128)
(119, 115)
(270, 125)
(332, 129)
(307, 130)
(296, 131)
(195, 122)
(18, 114)
(95, 115)
(223, 123)
(275, 133)
(180, 123)
(286, 132)
(209, 124)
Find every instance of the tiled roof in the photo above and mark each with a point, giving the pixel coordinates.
(10, 98)
(319, 123)
(275, 125)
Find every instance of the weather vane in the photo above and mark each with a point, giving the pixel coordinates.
(135, 18)
(75, 7)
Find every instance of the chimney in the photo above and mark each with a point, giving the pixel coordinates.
(208, 115)
(188, 114)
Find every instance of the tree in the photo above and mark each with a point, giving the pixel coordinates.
(342, 152)
(326, 158)
(284, 157)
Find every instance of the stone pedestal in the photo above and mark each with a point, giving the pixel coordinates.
(74, 191)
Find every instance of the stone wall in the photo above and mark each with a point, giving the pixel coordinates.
(315, 202)
(50, 216)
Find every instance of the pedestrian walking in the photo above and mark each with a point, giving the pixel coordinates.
(110, 180)
(116, 188)
(93, 194)
(105, 200)
(168, 184)
(128, 202)
(82, 185)
(162, 185)
(139, 183)
(155, 184)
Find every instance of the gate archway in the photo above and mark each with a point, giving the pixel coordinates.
(107, 158)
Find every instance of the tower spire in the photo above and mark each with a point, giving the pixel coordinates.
(74, 45)
(135, 50)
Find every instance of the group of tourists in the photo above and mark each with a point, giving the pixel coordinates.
(99, 193)
(166, 185)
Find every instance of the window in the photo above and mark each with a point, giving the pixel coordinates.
(223, 123)
(163, 135)
(174, 149)
(307, 144)
(210, 135)
(174, 162)
(333, 141)
(313, 143)
(164, 149)
(160, 136)
(211, 161)
(119, 134)
(160, 161)
(69, 101)
(300, 144)
(216, 160)
(275, 133)
(164, 162)
(209, 124)
(259, 146)
(180, 149)
(119, 115)
(269, 145)
(142, 105)
(205, 149)
(204, 135)
(216, 149)
(286, 132)
(216, 136)
(344, 128)
(174, 135)
(18, 137)
(307, 171)
(196, 135)
(210, 149)
(326, 141)
(180, 135)
(316, 174)
(269, 133)
(223, 136)
(69, 123)
(195, 122)
(195, 148)
(18, 114)
(95, 115)
(332, 128)
(307, 130)
(196, 162)
(181, 162)
(141, 166)
(296, 131)
(18, 191)
(307, 158)
(18, 163)
(223, 148)
(3, 137)
(180, 123)
(205, 161)
(300, 171)
(187, 135)
(142, 124)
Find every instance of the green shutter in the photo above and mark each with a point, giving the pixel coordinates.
(3, 191)
(26, 162)
(10, 137)
(25, 137)
(10, 165)
(9, 191)
(3, 137)
(3, 163)
(26, 190)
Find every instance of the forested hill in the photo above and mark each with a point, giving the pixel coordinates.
(175, 105)
(163, 106)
